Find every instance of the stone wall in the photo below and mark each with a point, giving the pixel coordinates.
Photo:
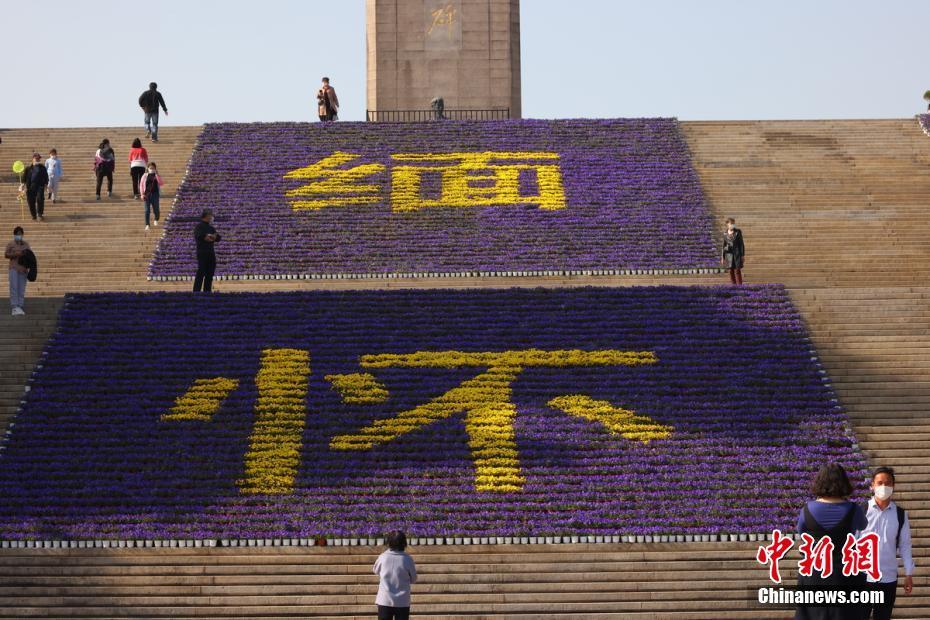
(466, 51)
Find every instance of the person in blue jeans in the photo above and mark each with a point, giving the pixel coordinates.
(149, 101)
(150, 188)
(397, 571)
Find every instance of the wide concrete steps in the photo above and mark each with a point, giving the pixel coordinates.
(22, 339)
(525, 581)
(84, 244)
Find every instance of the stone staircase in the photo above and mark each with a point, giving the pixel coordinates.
(85, 245)
(500, 582)
(836, 210)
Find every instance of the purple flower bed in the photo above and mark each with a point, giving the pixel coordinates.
(610, 195)
(737, 417)
(924, 120)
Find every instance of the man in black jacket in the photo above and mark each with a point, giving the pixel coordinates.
(205, 236)
(35, 180)
(149, 102)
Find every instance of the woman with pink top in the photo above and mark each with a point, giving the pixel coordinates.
(138, 160)
(150, 188)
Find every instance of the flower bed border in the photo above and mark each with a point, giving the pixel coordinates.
(379, 542)
(454, 274)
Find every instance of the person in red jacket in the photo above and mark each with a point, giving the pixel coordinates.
(138, 161)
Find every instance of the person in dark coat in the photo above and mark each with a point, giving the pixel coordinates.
(104, 165)
(327, 102)
(150, 101)
(734, 252)
(205, 236)
(833, 515)
(35, 180)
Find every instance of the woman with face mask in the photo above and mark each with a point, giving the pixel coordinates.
(149, 187)
(14, 250)
(733, 252)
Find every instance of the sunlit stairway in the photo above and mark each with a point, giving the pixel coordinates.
(836, 210)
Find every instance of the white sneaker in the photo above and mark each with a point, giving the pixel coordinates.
(156, 222)
(146, 226)
(18, 311)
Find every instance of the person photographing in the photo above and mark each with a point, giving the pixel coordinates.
(205, 236)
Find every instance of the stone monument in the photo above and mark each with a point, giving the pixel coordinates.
(465, 51)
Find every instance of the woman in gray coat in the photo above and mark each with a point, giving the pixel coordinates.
(734, 252)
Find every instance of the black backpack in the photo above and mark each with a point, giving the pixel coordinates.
(29, 261)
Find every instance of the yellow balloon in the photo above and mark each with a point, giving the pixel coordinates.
(18, 167)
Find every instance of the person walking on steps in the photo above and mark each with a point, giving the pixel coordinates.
(14, 251)
(35, 180)
(150, 188)
(104, 164)
(893, 527)
(53, 167)
(205, 236)
(327, 102)
(734, 252)
(138, 162)
(150, 101)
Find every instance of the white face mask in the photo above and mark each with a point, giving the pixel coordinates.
(883, 493)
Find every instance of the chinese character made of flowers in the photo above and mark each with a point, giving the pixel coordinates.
(273, 458)
(489, 411)
(484, 179)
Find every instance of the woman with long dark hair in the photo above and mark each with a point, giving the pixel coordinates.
(138, 162)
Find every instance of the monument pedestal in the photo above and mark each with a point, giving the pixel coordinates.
(465, 51)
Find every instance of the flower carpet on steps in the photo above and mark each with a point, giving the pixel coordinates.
(453, 197)
(649, 410)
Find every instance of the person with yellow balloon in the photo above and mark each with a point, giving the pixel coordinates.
(18, 168)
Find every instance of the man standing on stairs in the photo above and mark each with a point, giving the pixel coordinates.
(149, 102)
(35, 180)
(205, 236)
(14, 250)
(890, 522)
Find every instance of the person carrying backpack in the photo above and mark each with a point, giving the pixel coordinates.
(149, 101)
(890, 522)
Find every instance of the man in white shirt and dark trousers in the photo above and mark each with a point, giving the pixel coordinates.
(891, 524)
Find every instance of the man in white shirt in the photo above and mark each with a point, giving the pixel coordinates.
(894, 537)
